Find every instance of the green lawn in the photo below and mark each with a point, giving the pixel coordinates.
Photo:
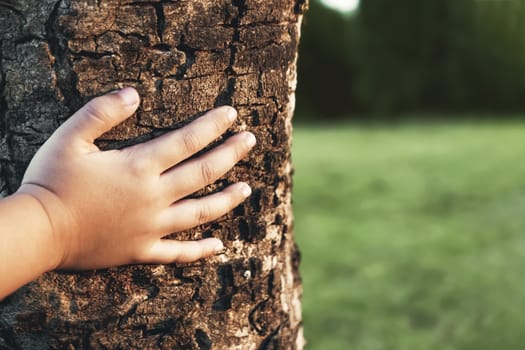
(413, 236)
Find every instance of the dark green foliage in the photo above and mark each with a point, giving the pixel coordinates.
(414, 55)
(326, 63)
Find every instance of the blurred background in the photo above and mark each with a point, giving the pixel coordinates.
(409, 191)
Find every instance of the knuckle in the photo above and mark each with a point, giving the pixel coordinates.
(95, 111)
(239, 152)
(203, 214)
(218, 125)
(191, 141)
(207, 172)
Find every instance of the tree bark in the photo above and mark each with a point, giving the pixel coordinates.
(184, 57)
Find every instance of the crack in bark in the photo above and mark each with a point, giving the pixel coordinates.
(29, 38)
(66, 77)
(203, 340)
(225, 97)
(138, 36)
(189, 53)
(5, 159)
(93, 54)
(161, 20)
(267, 343)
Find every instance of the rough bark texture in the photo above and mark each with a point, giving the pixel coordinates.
(184, 57)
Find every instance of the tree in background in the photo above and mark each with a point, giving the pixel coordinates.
(410, 55)
(184, 57)
(327, 64)
(499, 48)
(414, 56)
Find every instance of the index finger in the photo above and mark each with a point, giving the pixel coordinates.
(171, 148)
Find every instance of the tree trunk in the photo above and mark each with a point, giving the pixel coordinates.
(184, 57)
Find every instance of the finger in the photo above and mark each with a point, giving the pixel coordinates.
(100, 115)
(196, 173)
(166, 251)
(189, 213)
(171, 148)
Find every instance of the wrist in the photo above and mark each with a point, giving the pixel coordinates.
(46, 211)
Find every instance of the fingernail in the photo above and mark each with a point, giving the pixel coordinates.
(231, 114)
(219, 247)
(129, 96)
(246, 190)
(250, 139)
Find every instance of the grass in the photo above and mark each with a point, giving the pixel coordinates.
(413, 236)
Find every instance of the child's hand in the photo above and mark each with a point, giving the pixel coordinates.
(110, 208)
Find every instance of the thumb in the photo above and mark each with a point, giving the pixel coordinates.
(100, 115)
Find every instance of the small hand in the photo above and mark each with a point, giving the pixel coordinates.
(110, 208)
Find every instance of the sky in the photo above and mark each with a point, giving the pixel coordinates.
(342, 5)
